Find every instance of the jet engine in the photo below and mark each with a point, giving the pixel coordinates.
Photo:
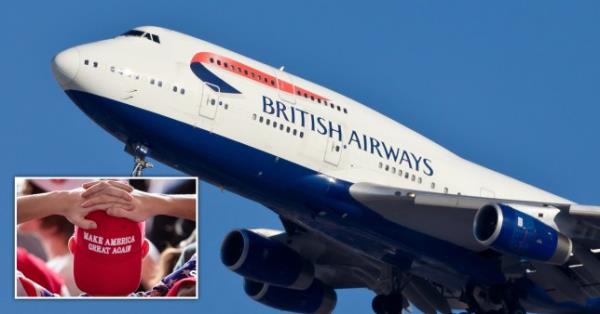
(509, 229)
(317, 298)
(264, 259)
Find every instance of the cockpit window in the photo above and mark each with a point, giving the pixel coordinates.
(133, 32)
(138, 33)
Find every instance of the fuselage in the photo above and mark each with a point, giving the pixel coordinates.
(277, 139)
(372, 147)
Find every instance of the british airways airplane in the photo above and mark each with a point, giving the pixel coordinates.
(363, 200)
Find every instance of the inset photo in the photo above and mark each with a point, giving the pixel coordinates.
(126, 237)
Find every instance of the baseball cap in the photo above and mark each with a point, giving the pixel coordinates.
(107, 261)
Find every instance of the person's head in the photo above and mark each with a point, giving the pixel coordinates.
(108, 260)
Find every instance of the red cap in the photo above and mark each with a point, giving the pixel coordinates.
(35, 269)
(108, 260)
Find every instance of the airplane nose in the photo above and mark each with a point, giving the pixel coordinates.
(65, 66)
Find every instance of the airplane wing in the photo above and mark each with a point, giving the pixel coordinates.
(454, 216)
(377, 194)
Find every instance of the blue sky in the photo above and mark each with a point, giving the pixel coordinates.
(512, 85)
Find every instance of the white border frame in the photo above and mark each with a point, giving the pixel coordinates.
(18, 298)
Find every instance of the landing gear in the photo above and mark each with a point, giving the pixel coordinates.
(388, 304)
(493, 300)
(139, 152)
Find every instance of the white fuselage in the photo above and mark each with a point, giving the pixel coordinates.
(126, 66)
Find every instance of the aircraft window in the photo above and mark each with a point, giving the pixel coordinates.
(387, 167)
(332, 106)
(112, 69)
(412, 178)
(95, 64)
(226, 106)
(260, 119)
(288, 129)
(400, 172)
(446, 190)
(252, 74)
(175, 89)
(219, 62)
(245, 72)
(433, 185)
(182, 91)
(406, 175)
(281, 127)
(420, 180)
(254, 116)
(266, 80)
(151, 81)
(345, 110)
(299, 93)
(269, 122)
(225, 65)
(138, 33)
(393, 169)
(212, 60)
(338, 108)
(380, 165)
(301, 134)
(212, 102)
(133, 32)
(294, 132)
(312, 97)
(305, 95)
(137, 76)
(319, 100)
(275, 124)
(86, 62)
(272, 82)
(159, 83)
(337, 148)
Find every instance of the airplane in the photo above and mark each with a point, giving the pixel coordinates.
(364, 201)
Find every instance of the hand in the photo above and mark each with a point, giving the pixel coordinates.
(68, 203)
(109, 194)
(142, 205)
(121, 200)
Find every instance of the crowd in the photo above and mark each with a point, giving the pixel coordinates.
(109, 238)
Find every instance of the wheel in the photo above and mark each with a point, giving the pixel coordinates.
(388, 304)
(518, 310)
(378, 304)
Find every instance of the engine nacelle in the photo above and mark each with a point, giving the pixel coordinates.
(263, 259)
(509, 230)
(317, 298)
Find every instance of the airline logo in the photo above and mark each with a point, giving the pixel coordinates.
(203, 60)
(323, 126)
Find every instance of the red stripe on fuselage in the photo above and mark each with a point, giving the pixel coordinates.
(254, 74)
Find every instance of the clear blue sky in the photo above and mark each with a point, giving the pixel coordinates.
(513, 85)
